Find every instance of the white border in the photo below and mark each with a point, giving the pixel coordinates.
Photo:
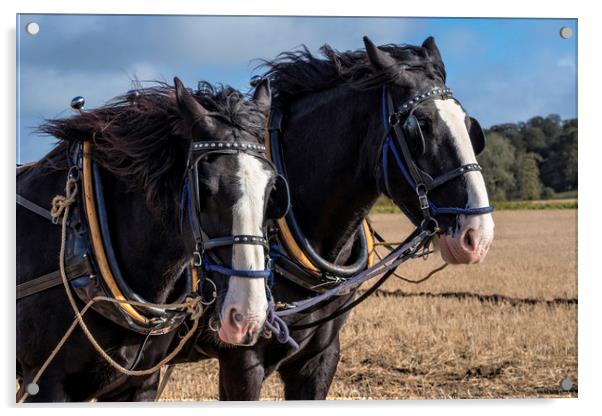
(589, 178)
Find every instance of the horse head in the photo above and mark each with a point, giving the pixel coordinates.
(432, 142)
(234, 190)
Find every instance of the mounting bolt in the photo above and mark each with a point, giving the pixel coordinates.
(32, 389)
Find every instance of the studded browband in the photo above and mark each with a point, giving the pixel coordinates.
(248, 146)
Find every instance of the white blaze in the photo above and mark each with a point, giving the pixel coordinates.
(248, 295)
(454, 118)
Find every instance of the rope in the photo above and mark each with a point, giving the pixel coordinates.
(278, 327)
(192, 306)
(164, 380)
(405, 279)
(60, 203)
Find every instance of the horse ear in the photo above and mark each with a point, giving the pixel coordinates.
(377, 57)
(430, 45)
(192, 111)
(263, 95)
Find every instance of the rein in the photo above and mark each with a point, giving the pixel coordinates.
(390, 262)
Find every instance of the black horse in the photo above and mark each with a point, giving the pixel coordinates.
(339, 114)
(144, 146)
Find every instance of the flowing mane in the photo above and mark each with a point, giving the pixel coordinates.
(144, 142)
(299, 72)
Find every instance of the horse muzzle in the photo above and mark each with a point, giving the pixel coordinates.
(233, 327)
(471, 243)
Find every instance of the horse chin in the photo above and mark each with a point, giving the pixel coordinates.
(246, 340)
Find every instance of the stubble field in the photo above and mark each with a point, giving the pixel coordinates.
(506, 328)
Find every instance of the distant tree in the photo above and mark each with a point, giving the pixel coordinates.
(559, 165)
(545, 156)
(547, 193)
(530, 185)
(511, 131)
(498, 161)
(551, 126)
(534, 139)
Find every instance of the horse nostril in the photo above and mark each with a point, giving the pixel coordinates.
(471, 239)
(236, 318)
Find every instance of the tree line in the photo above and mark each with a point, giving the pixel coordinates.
(536, 159)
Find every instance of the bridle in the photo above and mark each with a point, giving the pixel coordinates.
(204, 256)
(401, 129)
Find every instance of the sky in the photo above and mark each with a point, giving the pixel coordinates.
(502, 70)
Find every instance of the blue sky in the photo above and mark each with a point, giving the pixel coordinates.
(503, 70)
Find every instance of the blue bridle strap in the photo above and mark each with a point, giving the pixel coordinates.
(209, 266)
(389, 146)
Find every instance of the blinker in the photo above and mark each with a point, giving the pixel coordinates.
(477, 137)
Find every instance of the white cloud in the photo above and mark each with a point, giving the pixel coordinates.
(567, 61)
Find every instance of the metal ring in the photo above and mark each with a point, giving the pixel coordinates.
(267, 334)
(430, 221)
(214, 293)
(213, 325)
(421, 187)
(73, 173)
(198, 259)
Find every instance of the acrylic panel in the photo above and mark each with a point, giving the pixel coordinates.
(268, 208)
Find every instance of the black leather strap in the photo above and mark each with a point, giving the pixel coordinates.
(50, 280)
(35, 208)
(448, 176)
(416, 173)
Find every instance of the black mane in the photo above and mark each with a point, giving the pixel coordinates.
(299, 72)
(145, 142)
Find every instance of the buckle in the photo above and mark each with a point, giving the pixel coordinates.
(198, 258)
(421, 191)
(424, 201)
(393, 119)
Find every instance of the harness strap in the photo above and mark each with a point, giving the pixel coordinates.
(235, 239)
(50, 280)
(459, 171)
(292, 237)
(405, 149)
(97, 243)
(35, 208)
(400, 255)
(250, 274)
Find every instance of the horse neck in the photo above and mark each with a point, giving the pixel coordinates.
(150, 250)
(330, 145)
